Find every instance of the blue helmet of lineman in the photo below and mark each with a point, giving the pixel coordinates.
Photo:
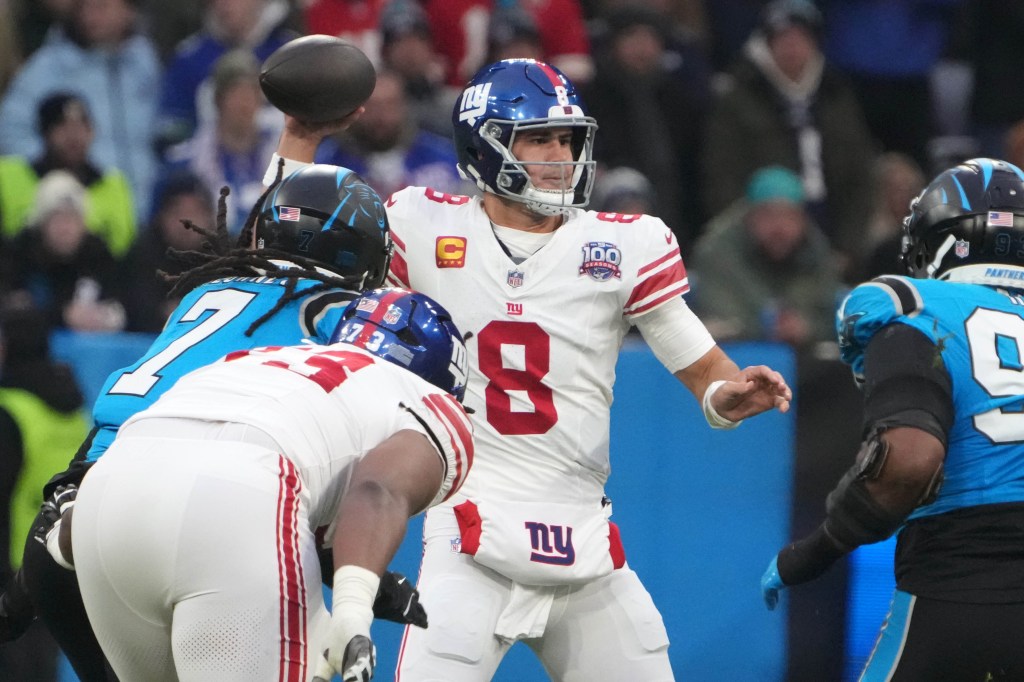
(329, 215)
(967, 225)
(503, 100)
(411, 330)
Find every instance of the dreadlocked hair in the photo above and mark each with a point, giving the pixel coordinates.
(219, 259)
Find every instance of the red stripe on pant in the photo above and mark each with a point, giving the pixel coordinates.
(291, 581)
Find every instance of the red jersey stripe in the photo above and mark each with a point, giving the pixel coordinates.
(650, 286)
(651, 266)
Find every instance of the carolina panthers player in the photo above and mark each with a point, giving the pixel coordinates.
(940, 358)
(320, 235)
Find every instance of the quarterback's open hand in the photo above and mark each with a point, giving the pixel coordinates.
(398, 600)
(754, 390)
(356, 666)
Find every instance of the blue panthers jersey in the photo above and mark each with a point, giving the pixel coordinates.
(210, 322)
(979, 332)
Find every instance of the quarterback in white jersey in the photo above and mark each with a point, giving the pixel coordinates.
(526, 550)
(195, 536)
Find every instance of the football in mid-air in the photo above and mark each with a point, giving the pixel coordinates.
(317, 78)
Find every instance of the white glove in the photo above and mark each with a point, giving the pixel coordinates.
(350, 651)
(357, 666)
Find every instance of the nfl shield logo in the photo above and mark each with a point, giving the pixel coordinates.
(961, 248)
(393, 315)
(515, 279)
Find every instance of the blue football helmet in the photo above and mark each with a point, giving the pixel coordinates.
(329, 215)
(967, 225)
(506, 98)
(411, 330)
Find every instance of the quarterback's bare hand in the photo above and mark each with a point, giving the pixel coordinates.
(754, 390)
(299, 139)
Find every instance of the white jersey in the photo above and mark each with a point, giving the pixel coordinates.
(325, 407)
(546, 333)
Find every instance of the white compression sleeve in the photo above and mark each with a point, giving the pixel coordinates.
(675, 334)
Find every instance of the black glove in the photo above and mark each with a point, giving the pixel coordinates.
(16, 611)
(398, 600)
(62, 499)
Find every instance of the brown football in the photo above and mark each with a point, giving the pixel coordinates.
(317, 78)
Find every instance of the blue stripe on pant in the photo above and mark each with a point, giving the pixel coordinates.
(891, 640)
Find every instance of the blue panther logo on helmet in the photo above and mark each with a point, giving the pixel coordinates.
(503, 100)
(331, 216)
(967, 225)
(411, 330)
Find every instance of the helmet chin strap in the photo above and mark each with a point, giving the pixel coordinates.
(940, 253)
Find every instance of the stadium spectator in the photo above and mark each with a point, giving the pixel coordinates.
(997, 98)
(781, 104)
(513, 34)
(888, 51)
(67, 271)
(530, 274)
(179, 197)
(764, 270)
(187, 98)
(231, 148)
(102, 57)
(66, 127)
(37, 20)
(357, 21)
(650, 93)
(898, 180)
(937, 355)
(41, 418)
(387, 148)
(460, 34)
(623, 190)
(408, 49)
(355, 437)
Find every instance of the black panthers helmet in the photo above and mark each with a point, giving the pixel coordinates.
(329, 215)
(968, 225)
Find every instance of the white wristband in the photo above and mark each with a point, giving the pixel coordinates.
(355, 589)
(53, 547)
(715, 420)
(290, 166)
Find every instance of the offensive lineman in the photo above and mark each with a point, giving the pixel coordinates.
(548, 291)
(194, 536)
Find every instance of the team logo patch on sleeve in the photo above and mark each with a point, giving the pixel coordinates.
(450, 252)
(601, 261)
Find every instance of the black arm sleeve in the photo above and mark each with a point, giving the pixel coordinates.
(906, 383)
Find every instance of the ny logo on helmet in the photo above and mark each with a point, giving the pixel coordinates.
(474, 102)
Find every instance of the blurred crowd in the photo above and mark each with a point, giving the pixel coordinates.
(782, 140)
